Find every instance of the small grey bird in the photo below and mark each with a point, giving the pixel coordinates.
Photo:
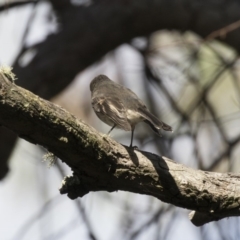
(119, 107)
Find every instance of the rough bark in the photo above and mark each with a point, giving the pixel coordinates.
(99, 163)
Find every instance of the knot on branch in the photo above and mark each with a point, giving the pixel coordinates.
(72, 186)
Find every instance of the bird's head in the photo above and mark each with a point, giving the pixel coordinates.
(98, 80)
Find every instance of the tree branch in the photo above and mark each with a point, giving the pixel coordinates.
(99, 163)
(87, 33)
(9, 5)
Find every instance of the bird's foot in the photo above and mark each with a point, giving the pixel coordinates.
(105, 136)
(133, 147)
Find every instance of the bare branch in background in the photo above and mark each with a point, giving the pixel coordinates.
(81, 43)
(8, 4)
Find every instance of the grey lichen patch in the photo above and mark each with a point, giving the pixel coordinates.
(26, 105)
(54, 119)
(70, 181)
(155, 177)
(69, 129)
(63, 139)
(50, 158)
(7, 71)
(105, 136)
(159, 187)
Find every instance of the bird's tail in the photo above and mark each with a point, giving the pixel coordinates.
(153, 122)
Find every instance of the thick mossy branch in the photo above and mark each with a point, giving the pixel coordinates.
(100, 163)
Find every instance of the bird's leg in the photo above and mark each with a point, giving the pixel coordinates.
(111, 129)
(132, 137)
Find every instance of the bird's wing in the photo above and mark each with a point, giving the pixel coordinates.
(111, 110)
(154, 122)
